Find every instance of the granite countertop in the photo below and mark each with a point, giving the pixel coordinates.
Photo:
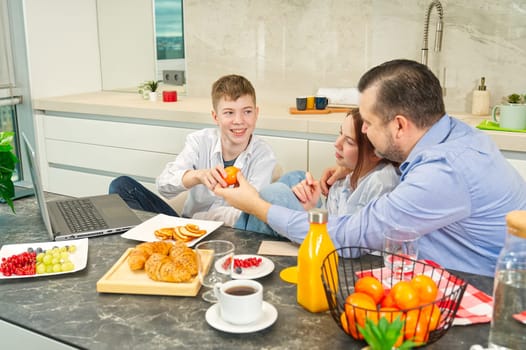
(273, 117)
(68, 307)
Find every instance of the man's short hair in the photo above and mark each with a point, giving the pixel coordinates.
(405, 88)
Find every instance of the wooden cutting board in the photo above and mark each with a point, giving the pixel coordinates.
(120, 279)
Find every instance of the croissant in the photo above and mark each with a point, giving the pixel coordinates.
(142, 252)
(164, 268)
(164, 261)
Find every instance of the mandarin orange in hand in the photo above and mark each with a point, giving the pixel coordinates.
(370, 286)
(426, 288)
(231, 175)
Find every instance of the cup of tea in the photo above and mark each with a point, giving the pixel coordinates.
(240, 301)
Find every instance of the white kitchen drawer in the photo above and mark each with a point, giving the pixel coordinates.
(106, 159)
(124, 135)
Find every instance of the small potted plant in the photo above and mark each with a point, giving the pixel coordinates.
(514, 98)
(385, 335)
(7, 166)
(149, 89)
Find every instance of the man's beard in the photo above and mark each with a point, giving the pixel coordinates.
(392, 152)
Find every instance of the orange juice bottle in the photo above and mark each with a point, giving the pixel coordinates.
(316, 246)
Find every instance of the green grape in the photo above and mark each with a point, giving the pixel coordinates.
(47, 259)
(63, 249)
(68, 266)
(57, 268)
(64, 256)
(40, 256)
(49, 268)
(41, 268)
(55, 261)
(72, 248)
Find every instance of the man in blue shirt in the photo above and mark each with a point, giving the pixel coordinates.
(455, 187)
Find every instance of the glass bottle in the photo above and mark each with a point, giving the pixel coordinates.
(315, 247)
(509, 291)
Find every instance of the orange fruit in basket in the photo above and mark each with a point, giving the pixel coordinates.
(349, 324)
(358, 307)
(433, 315)
(426, 288)
(388, 301)
(370, 286)
(404, 295)
(391, 314)
(350, 328)
(416, 326)
(231, 175)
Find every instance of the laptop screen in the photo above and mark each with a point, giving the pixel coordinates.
(37, 184)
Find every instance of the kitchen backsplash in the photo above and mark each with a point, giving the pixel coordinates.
(293, 47)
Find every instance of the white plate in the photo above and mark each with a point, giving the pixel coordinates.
(79, 258)
(249, 273)
(145, 231)
(213, 317)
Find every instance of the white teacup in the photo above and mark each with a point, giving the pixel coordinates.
(240, 301)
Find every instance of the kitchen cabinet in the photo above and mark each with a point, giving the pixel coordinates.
(321, 156)
(517, 160)
(81, 154)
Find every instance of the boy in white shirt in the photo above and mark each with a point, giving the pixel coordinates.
(199, 167)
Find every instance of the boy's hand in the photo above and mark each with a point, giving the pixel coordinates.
(329, 177)
(208, 177)
(245, 197)
(308, 192)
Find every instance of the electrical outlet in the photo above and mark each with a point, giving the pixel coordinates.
(173, 77)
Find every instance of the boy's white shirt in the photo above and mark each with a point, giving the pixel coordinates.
(202, 150)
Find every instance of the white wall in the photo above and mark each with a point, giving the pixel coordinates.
(290, 48)
(63, 48)
(127, 42)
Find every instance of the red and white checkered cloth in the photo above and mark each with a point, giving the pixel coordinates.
(475, 306)
(521, 317)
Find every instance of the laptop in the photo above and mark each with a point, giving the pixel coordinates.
(79, 217)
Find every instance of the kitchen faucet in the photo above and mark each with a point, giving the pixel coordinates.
(438, 34)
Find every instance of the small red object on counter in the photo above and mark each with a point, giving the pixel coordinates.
(169, 96)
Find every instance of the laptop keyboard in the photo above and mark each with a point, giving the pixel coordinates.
(81, 215)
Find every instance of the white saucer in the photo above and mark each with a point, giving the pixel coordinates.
(266, 267)
(270, 315)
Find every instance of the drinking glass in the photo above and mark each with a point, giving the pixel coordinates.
(215, 261)
(401, 248)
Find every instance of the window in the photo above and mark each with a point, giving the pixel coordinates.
(169, 29)
(15, 105)
(169, 36)
(7, 99)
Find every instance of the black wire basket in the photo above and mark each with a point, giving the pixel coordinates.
(344, 266)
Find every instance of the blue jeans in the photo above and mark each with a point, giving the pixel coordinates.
(139, 197)
(279, 193)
